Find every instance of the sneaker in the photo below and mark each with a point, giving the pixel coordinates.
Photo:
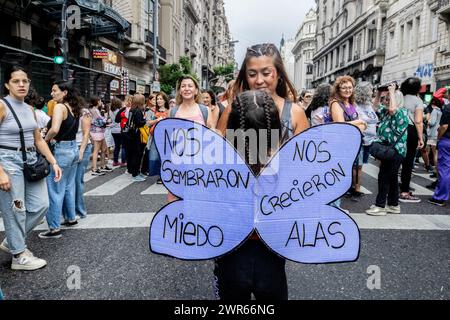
(123, 164)
(97, 173)
(143, 176)
(393, 209)
(138, 179)
(434, 175)
(116, 164)
(26, 261)
(50, 234)
(432, 185)
(69, 223)
(408, 198)
(106, 169)
(159, 181)
(4, 246)
(440, 203)
(376, 211)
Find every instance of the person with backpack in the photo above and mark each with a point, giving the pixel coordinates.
(133, 145)
(122, 118)
(189, 107)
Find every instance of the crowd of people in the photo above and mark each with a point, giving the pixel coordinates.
(72, 133)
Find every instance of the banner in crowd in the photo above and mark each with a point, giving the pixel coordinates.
(222, 203)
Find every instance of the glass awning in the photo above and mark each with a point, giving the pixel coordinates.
(95, 15)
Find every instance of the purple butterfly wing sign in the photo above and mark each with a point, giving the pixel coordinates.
(215, 211)
(294, 215)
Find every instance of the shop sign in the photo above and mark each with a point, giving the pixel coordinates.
(100, 53)
(110, 68)
(140, 86)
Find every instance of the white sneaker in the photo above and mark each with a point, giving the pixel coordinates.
(27, 262)
(393, 209)
(4, 246)
(376, 211)
(138, 179)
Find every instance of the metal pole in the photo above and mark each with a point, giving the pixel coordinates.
(64, 40)
(207, 69)
(155, 39)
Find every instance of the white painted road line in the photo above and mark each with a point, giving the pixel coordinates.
(365, 222)
(155, 189)
(365, 191)
(372, 171)
(112, 187)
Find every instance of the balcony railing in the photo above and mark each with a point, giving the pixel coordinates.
(149, 38)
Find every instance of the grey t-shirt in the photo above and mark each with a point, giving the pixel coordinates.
(412, 103)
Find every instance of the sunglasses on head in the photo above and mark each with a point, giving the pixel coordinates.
(263, 49)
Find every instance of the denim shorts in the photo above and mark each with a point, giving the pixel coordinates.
(363, 156)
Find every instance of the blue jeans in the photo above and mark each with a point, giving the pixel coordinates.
(80, 206)
(24, 206)
(66, 154)
(154, 160)
(119, 145)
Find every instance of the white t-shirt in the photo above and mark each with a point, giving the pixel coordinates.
(42, 119)
(412, 103)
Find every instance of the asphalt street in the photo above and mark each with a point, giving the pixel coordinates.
(107, 255)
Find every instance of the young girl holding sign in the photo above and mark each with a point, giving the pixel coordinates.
(252, 268)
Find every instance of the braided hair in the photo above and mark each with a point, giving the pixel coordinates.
(255, 110)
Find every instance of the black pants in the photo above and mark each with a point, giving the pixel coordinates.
(252, 268)
(119, 145)
(388, 182)
(145, 169)
(134, 150)
(408, 162)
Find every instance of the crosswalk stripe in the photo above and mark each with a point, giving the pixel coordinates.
(424, 175)
(372, 171)
(365, 191)
(111, 187)
(364, 222)
(155, 189)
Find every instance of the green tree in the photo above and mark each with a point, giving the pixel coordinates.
(170, 73)
(227, 71)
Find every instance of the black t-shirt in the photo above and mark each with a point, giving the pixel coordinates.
(445, 120)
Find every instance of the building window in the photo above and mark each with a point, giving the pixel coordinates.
(350, 49)
(409, 36)
(416, 33)
(345, 18)
(434, 27)
(372, 40)
(390, 45)
(401, 40)
(358, 8)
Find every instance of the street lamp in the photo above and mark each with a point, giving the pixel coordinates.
(207, 58)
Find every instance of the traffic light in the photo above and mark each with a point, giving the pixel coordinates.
(59, 56)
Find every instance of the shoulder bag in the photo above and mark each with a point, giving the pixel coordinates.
(384, 151)
(38, 170)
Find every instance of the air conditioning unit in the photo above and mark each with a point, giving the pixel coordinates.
(443, 49)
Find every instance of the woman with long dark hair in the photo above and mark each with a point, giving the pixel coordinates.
(209, 100)
(23, 204)
(263, 69)
(410, 89)
(133, 145)
(62, 134)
